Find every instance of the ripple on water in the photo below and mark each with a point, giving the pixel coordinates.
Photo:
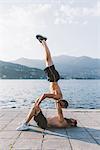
(22, 93)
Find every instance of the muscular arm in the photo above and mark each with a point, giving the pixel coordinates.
(59, 111)
(46, 95)
(58, 105)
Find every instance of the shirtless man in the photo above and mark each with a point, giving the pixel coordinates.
(53, 77)
(58, 121)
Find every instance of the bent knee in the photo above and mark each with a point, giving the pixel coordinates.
(37, 108)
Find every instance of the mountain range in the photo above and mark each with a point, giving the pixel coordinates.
(69, 67)
(15, 71)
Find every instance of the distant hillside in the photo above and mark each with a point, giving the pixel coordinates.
(68, 66)
(16, 71)
(34, 63)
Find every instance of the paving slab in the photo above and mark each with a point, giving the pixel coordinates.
(85, 136)
(27, 144)
(56, 144)
(86, 144)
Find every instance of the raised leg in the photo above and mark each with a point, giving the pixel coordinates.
(33, 111)
(48, 58)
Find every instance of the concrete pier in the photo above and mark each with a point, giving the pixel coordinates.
(84, 137)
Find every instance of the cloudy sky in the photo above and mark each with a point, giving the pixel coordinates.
(72, 28)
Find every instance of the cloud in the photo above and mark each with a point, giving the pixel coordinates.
(71, 14)
(17, 23)
(97, 9)
(23, 14)
(85, 22)
(18, 26)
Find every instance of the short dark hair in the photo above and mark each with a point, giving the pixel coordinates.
(69, 121)
(65, 103)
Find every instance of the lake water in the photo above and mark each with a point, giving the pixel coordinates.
(22, 93)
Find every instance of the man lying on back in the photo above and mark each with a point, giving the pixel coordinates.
(58, 121)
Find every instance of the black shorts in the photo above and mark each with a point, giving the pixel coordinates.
(52, 74)
(41, 120)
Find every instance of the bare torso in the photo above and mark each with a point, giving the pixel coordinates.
(55, 89)
(54, 122)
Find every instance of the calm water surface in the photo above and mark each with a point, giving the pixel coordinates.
(22, 93)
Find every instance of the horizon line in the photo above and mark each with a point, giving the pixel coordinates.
(10, 60)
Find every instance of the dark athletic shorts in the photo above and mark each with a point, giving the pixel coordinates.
(52, 74)
(41, 120)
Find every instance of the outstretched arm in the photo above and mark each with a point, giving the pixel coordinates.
(46, 95)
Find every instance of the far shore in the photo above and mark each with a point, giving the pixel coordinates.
(69, 109)
(60, 79)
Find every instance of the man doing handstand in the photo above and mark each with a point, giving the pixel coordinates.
(52, 75)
